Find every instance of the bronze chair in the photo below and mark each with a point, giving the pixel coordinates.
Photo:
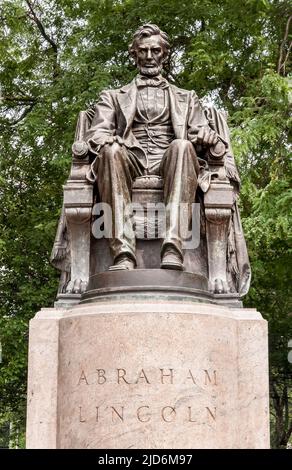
(222, 255)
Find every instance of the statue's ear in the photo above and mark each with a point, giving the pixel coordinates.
(166, 56)
(132, 53)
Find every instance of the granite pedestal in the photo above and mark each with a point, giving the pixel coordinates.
(148, 371)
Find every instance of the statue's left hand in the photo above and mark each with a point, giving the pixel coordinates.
(207, 137)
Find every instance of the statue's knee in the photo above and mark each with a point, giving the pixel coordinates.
(112, 150)
(181, 144)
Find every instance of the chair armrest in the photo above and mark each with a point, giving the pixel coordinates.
(80, 149)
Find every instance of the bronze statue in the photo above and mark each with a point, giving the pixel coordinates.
(152, 130)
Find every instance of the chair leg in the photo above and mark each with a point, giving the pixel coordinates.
(78, 209)
(78, 221)
(218, 203)
(217, 221)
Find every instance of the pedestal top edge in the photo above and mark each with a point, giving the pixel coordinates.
(164, 307)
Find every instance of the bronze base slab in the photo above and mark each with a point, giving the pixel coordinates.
(161, 283)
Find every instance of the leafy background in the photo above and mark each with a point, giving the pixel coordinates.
(55, 58)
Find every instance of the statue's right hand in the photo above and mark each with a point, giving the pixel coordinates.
(80, 149)
(114, 138)
(207, 137)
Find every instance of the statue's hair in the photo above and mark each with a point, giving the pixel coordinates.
(148, 30)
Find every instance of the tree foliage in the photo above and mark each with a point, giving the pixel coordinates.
(55, 58)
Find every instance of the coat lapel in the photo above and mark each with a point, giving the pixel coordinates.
(179, 99)
(127, 99)
(178, 108)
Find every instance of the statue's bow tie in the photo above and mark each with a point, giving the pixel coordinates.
(154, 81)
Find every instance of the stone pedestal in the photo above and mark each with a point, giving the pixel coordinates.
(146, 372)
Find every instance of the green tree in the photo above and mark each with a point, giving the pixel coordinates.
(55, 58)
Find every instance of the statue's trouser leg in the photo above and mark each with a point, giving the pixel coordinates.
(116, 170)
(179, 169)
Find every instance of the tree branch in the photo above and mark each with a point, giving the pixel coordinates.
(281, 52)
(18, 99)
(41, 27)
(289, 432)
(283, 66)
(275, 396)
(22, 116)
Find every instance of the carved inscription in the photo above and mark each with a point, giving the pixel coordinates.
(147, 413)
(202, 381)
(121, 376)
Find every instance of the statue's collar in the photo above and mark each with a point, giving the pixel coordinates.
(157, 81)
(145, 77)
(138, 80)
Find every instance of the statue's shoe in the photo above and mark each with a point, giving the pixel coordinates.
(172, 260)
(123, 263)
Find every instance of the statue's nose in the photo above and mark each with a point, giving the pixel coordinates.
(149, 55)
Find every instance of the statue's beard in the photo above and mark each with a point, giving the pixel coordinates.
(150, 71)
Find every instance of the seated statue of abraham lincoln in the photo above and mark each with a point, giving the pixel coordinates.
(148, 127)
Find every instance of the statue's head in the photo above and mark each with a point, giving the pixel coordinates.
(150, 49)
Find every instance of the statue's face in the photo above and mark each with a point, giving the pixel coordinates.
(149, 55)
